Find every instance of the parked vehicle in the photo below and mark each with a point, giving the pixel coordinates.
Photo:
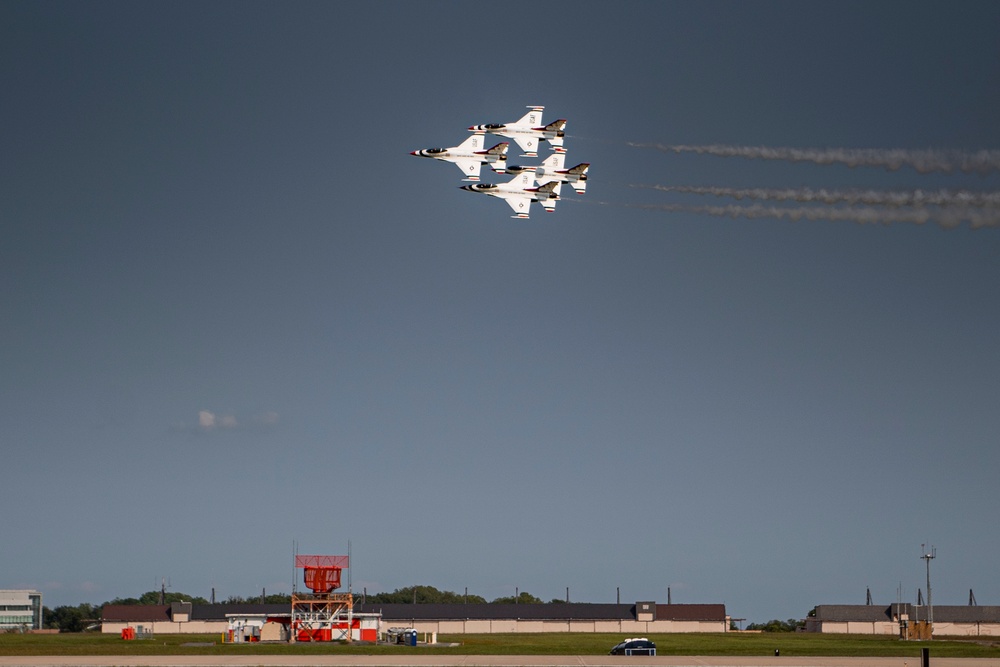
(634, 646)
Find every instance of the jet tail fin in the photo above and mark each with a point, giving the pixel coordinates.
(554, 162)
(473, 143)
(532, 118)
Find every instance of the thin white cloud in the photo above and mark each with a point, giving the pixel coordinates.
(268, 418)
(206, 419)
(210, 421)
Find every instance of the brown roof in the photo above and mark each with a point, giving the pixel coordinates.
(942, 613)
(135, 613)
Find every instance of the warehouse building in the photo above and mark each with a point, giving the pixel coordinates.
(906, 620)
(640, 618)
(181, 617)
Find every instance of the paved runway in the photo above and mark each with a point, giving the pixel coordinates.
(417, 660)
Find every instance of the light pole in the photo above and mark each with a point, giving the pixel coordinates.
(928, 556)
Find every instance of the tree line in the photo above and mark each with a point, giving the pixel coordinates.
(86, 616)
(791, 625)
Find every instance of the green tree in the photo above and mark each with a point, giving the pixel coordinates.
(124, 601)
(276, 598)
(71, 619)
(774, 625)
(524, 597)
(153, 597)
(422, 595)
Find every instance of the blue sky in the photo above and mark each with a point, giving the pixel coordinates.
(236, 315)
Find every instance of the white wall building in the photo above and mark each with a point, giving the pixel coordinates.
(899, 620)
(20, 610)
(629, 619)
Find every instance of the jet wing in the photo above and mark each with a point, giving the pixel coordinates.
(470, 167)
(527, 142)
(521, 205)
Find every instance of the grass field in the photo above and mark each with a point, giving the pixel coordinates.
(790, 644)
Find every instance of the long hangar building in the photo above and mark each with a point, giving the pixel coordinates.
(640, 618)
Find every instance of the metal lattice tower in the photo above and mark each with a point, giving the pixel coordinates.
(315, 614)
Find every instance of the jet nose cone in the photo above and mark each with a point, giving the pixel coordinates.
(413, 152)
(466, 187)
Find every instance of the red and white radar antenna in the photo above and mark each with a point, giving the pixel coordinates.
(321, 574)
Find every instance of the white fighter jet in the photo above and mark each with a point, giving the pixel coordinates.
(519, 193)
(528, 131)
(469, 156)
(552, 170)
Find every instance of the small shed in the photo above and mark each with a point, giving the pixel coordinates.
(257, 627)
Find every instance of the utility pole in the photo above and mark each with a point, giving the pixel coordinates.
(928, 556)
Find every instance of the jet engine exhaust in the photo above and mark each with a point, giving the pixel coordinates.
(924, 161)
(946, 217)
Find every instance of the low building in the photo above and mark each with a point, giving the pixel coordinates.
(639, 619)
(20, 610)
(906, 620)
(180, 617)
(553, 617)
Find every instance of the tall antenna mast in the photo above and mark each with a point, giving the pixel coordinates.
(295, 555)
(928, 557)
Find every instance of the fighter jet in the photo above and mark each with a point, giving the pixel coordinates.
(469, 156)
(552, 170)
(519, 194)
(528, 131)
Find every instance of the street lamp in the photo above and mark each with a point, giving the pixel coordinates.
(928, 556)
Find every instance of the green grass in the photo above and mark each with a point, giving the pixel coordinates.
(790, 644)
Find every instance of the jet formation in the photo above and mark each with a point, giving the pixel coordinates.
(541, 183)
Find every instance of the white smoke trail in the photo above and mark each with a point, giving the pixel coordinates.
(924, 161)
(894, 198)
(949, 217)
